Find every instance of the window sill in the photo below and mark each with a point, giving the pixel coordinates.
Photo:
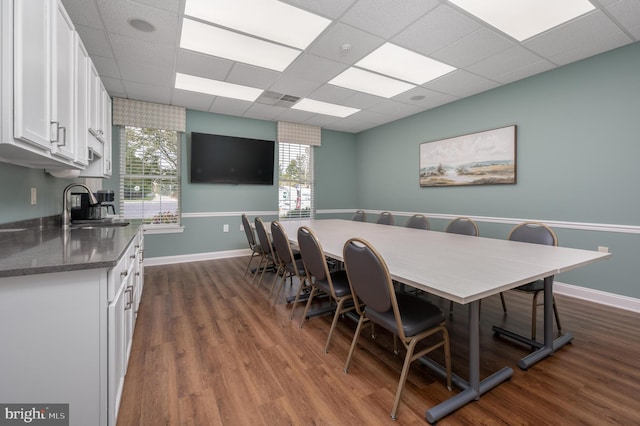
(163, 229)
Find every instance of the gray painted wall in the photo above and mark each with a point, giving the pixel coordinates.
(577, 160)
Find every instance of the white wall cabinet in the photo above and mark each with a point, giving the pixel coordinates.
(45, 92)
(66, 337)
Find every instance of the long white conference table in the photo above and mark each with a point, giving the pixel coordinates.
(462, 269)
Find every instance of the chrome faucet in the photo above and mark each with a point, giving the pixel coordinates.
(66, 207)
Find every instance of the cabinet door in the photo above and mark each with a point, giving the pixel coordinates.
(107, 160)
(32, 71)
(63, 87)
(81, 127)
(116, 360)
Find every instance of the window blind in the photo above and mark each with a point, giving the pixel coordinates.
(129, 112)
(299, 133)
(296, 187)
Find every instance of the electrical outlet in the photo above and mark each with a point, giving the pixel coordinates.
(603, 249)
(225, 227)
(34, 196)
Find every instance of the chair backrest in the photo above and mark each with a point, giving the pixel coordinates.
(368, 274)
(248, 230)
(418, 221)
(385, 218)
(312, 254)
(533, 232)
(265, 243)
(463, 226)
(281, 243)
(359, 216)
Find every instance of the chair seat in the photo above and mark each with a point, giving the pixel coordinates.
(531, 287)
(299, 265)
(417, 315)
(340, 284)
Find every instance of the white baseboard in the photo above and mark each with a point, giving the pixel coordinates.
(597, 296)
(569, 290)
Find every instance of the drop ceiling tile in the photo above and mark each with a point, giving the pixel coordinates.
(574, 35)
(118, 12)
(295, 115)
(361, 100)
(386, 18)
(395, 109)
(329, 43)
(330, 93)
(263, 112)
(472, 48)
(252, 76)
(113, 85)
(320, 120)
(311, 67)
(95, 41)
(106, 67)
(200, 65)
(429, 98)
(191, 100)
(460, 84)
(294, 86)
(438, 29)
(83, 13)
(508, 60)
(229, 106)
(147, 73)
(147, 92)
(134, 50)
(329, 9)
(171, 6)
(627, 12)
(524, 72)
(599, 45)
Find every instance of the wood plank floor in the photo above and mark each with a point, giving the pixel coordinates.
(209, 349)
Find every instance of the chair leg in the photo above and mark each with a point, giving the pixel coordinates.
(314, 289)
(504, 305)
(249, 264)
(334, 322)
(361, 322)
(403, 376)
(534, 315)
(295, 301)
(275, 280)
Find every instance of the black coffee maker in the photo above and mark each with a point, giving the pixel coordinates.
(82, 210)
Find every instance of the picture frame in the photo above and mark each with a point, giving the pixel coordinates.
(482, 158)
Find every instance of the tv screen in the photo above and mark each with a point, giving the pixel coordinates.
(229, 159)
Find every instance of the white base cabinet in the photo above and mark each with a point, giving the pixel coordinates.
(66, 337)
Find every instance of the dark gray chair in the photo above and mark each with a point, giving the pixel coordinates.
(335, 284)
(466, 226)
(251, 239)
(359, 216)
(410, 318)
(289, 265)
(385, 218)
(267, 254)
(418, 221)
(537, 233)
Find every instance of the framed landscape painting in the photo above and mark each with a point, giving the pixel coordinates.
(483, 158)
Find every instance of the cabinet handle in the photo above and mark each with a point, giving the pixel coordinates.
(130, 301)
(64, 136)
(53, 130)
(141, 256)
(124, 273)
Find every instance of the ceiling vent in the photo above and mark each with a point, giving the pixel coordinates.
(277, 99)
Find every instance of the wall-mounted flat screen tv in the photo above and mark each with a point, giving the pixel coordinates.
(229, 159)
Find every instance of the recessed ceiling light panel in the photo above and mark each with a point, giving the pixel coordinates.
(325, 108)
(268, 19)
(523, 19)
(216, 41)
(193, 83)
(368, 82)
(401, 63)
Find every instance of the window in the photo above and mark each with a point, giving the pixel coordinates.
(150, 175)
(295, 191)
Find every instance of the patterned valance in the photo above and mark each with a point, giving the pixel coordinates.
(128, 112)
(298, 133)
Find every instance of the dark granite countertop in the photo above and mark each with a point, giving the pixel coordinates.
(35, 250)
